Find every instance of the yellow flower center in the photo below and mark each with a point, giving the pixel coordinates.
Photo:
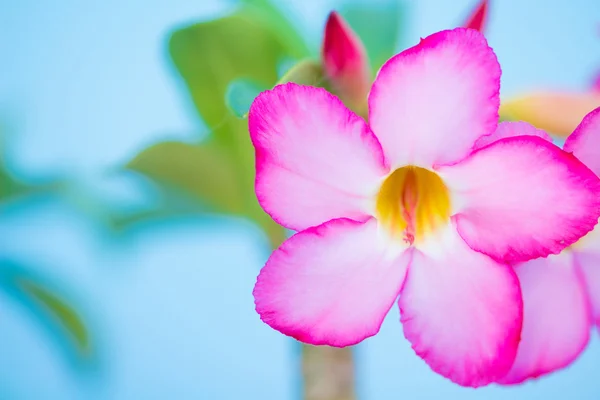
(412, 203)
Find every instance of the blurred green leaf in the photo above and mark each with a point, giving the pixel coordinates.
(49, 308)
(266, 11)
(205, 171)
(224, 64)
(240, 94)
(378, 25)
(9, 187)
(209, 55)
(306, 72)
(208, 174)
(64, 313)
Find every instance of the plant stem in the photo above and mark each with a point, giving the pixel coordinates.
(328, 373)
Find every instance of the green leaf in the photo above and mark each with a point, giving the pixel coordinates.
(49, 307)
(378, 25)
(209, 175)
(10, 186)
(209, 55)
(224, 64)
(64, 313)
(306, 72)
(204, 171)
(266, 11)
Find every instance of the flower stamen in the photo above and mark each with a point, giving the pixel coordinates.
(412, 203)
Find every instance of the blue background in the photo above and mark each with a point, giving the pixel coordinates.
(87, 84)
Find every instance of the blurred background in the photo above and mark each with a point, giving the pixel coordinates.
(129, 237)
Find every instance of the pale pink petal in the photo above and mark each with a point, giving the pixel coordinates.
(587, 259)
(478, 17)
(589, 264)
(430, 103)
(332, 284)
(315, 159)
(584, 142)
(556, 323)
(461, 311)
(522, 198)
(345, 63)
(511, 129)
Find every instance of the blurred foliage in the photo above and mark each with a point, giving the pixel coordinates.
(10, 187)
(206, 171)
(224, 64)
(65, 315)
(378, 24)
(210, 55)
(50, 309)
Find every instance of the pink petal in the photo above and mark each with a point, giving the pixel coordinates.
(511, 129)
(345, 62)
(478, 17)
(332, 284)
(587, 260)
(556, 323)
(589, 264)
(522, 198)
(584, 142)
(461, 311)
(315, 159)
(430, 103)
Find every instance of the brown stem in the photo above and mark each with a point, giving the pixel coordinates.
(328, 373)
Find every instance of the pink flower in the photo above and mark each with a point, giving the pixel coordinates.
(412, 205)
(561, 293)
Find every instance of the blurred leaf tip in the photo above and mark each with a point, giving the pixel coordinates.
(49, 306)
(64, 313)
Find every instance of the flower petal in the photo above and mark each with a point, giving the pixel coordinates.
(430, 103)
(589, 265)
(315, 159)
(511, 129)
(461, 311)
(556, 323)
(478, 17)
(557, 113)
(584, 142)
(332, 284)
(587, 259)
(522, 198)
(345, 63)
